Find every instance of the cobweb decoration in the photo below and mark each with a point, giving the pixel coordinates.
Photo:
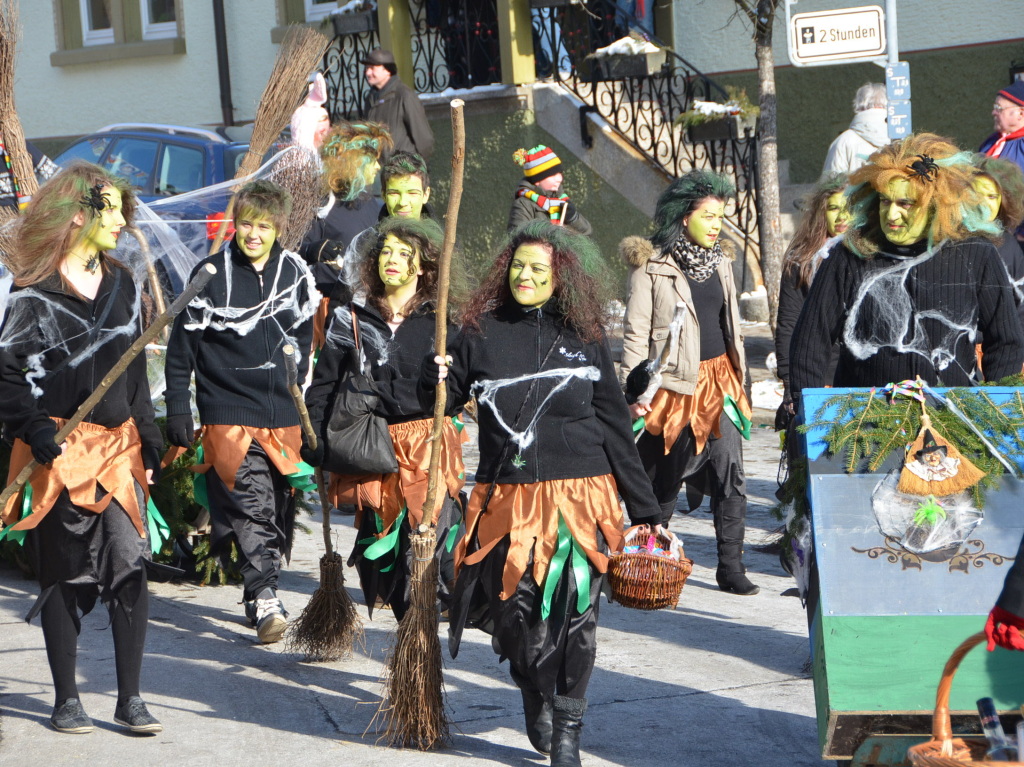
(941, 537)
(883, 316)
(675, 327)
(339, 335)
(486, 391)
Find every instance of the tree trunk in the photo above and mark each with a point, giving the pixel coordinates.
(769, 220)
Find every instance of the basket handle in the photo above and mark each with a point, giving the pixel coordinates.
(941, 726)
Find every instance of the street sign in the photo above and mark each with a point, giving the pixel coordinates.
(899, 119)
(897, 81)
(845, 34)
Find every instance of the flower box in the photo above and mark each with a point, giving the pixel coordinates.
(354, 23)
(724, 129)
(621, 66)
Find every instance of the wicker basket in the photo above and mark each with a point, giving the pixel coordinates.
(943, 750)
(648, 581)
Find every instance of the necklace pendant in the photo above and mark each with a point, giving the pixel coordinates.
(92, 264)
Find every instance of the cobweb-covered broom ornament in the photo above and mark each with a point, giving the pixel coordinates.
(934, 467)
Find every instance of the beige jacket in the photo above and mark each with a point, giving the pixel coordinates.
(655, 286)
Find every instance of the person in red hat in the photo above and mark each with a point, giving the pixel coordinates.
(539, 195)
(393, 103)
(1007, 142)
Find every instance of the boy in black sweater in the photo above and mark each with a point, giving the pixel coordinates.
(231, 336)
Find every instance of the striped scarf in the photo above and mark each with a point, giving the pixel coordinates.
(550, 205)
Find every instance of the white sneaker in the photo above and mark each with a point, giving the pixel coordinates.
(271, 620)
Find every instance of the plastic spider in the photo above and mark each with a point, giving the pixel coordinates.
(923, 167)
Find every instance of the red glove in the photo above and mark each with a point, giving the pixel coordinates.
(1003, 629)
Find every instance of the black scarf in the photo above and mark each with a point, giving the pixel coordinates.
(696, 262)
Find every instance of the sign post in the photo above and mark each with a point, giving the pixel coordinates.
(897, 90)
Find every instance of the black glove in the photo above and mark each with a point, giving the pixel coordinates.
(429, 371)
(44, 448)
(151, 460)
(570, 212)
(309, 455)
(181, 431)
(330, 251)
(637, 381)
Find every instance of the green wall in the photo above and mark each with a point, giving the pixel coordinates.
(952, 92)
(490, 181)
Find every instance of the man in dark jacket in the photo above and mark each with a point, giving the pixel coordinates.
(393, 103)
(537, 197)
(232, 336)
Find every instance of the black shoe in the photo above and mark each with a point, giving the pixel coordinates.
(136, 717)
(69, 716)
(538, 712)
(567, 724)
(736, 583)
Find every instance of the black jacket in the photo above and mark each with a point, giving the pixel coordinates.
(899, 316)
(74, 342)
(400, 109)
(231, 336)
(575, 426)
(392, 361)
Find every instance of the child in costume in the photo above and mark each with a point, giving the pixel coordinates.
(232, 337)
(539, 195)
(556, 452)
(396, 327)
(73, 312)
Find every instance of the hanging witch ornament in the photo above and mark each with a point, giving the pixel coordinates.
(934, 467)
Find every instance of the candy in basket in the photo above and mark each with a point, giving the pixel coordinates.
(650, 571)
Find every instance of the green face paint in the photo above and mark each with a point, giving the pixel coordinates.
(704, 223)
(398, 263)
(106, 227)
(991, 197)
(903, 221)
(405, 196)
(255, 236)
(530, 276)
(837, 215)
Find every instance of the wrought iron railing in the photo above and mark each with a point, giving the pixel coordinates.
(641, 102)
(346, 87)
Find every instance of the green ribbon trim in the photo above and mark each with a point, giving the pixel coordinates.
(199, 482)
(302, 479)
(378, 547)
(159, 530)
(453, 534)
(639, 424)
(18, 536)
(459, 423)
(567, 546)
(736, 416)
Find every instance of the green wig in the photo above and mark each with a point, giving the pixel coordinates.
(682, 198)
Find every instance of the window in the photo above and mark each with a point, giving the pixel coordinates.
(96, 26)
(318, 9)
(159, 19)
(181, 170)
(133, 159)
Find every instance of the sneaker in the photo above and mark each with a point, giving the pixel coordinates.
(136, 717)
(250, 611)
(69, 716)
(271, 620)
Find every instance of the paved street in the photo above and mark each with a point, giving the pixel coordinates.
(718, 681)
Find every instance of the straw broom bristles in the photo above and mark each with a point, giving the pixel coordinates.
(10, 125)
(413, 709)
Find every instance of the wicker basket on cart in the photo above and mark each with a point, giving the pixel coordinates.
(943, 750)
(647, 581)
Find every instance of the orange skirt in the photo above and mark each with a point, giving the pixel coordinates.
(388, 494)
(671, 411)
(225, 446)
(529, 514)
(93, 455)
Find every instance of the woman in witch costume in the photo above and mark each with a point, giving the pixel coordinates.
(555, 454)
(73, 312)
(693, 421)
(394, 330)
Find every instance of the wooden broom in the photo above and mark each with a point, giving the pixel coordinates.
(13, 135)
(329, 624)
(413, 705)
(300, 52)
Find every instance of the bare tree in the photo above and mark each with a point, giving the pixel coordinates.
(761, 14)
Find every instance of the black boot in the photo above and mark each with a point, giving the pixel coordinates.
(567, 725)
(730, 516)
(538, 713)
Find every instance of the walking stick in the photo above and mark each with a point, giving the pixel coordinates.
(413, 702)
(198, 283)
(329, 624)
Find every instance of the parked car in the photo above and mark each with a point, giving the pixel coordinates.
(160, 160)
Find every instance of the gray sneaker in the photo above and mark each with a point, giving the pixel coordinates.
(271, 620)
(69, 716)
(136, 717)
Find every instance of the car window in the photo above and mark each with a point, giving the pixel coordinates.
(90, 150)
(180, 170)
(233, 157)
(133, 159)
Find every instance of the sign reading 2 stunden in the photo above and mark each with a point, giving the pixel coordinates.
(845, 34)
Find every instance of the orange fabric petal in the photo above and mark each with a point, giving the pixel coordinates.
(528, 513)
(225, 446)
(94, 456)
